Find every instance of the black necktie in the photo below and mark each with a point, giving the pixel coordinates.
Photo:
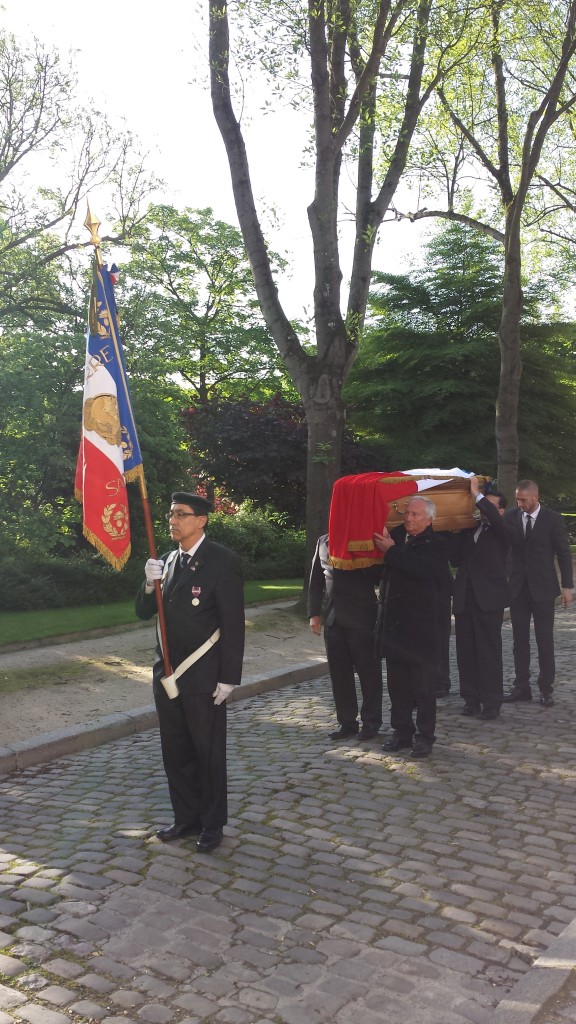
(184, 559)
(528, 526)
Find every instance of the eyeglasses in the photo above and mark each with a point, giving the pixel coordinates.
(179, 515)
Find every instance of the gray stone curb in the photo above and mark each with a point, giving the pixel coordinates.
(543, 982)
(48, 746)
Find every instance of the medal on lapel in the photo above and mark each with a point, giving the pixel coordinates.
(196, 591)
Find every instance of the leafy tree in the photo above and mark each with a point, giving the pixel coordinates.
(42, 126)
(40, 401)
(501, 146)
(363, 72)
(188, 304)
(258, 451)
(425, 383)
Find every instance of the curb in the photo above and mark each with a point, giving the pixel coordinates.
(49, 746)
(543, 982)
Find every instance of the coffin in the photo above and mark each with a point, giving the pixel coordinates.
(362, 504)
(455, 505)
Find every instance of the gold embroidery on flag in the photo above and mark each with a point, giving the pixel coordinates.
(115, 521)
(101, 414)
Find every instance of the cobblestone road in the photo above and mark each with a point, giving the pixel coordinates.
(350, 886)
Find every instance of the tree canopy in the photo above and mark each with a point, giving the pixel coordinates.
(498, 147)
(425, 384)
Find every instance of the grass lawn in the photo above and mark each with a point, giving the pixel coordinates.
(19, 627)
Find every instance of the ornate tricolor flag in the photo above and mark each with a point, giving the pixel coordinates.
(109, 452)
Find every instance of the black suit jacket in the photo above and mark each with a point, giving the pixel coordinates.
(533, 559)
(346, 597)
(213, 579)
(481, 563)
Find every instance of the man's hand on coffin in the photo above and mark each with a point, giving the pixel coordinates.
(474, 487)
(383, 541)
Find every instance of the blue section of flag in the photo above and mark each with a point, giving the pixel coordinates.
(104, 328)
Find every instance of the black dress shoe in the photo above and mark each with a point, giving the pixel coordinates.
(442, 691)
(517, 693)
(171, 832)
(421, 747)
(344, 732)
(546, 700)
(488, 714)
(368, 732)
(470, 710)
(209, 839)
(394, 744)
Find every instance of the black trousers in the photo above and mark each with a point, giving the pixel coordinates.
(522, 609)
(412, 684)
(193, 740)
(349, 650)
(443, 681)
(479, 654)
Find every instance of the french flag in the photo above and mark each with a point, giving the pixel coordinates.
(109, 453)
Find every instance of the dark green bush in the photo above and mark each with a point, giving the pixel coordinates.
(268, 549)
(33, 581)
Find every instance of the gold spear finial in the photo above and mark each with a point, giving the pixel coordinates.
(92, 224)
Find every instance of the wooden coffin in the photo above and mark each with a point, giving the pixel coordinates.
(455, 505)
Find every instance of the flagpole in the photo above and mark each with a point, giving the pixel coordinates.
(92, 225)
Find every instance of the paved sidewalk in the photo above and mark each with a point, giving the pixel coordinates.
(350, 886)
(99, 688)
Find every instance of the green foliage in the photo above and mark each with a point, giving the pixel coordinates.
(424, 386)
(267, 548)
(32, 579)
(258, 450)
(189, 309)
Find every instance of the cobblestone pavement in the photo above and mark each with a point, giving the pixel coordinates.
(350, 886)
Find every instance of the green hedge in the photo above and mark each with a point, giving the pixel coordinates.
(34, 581)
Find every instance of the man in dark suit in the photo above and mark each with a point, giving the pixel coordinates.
(203, 599)
(416, 574)
(538, 535)
(349, 619)
(481, 593)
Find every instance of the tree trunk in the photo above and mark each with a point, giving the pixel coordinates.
(326, 418)
(510, 362)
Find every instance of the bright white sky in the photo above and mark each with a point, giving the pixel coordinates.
(146, 63)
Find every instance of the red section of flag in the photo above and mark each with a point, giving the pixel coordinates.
(358, 510)
(103, 493)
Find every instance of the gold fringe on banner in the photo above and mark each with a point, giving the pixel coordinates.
(116, 563)
(356, 563)
(361, 545)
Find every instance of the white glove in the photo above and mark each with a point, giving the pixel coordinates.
(153, 570)
(222, 691)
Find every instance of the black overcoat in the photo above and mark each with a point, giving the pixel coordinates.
(416, 577)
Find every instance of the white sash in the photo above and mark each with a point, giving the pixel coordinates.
(169, 682)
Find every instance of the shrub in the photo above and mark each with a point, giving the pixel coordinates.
(28, 582)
